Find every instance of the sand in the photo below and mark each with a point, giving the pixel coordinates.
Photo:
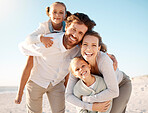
(137, 103)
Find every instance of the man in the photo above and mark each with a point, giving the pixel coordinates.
(50, 65)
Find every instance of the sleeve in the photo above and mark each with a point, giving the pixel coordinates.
(32, 49)
(35, 36)
(76, 90)
(70, 98)
(112, 91)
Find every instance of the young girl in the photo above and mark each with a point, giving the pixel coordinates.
(57, 15)
(93, 52)
(88, 84)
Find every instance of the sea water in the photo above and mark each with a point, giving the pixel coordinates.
(8, 89)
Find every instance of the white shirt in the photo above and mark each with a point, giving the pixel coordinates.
(50, 64)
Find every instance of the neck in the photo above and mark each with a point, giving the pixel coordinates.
(92, 62)
(57, 26)
(90, 81)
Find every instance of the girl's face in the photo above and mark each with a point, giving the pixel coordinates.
(81, 70)
(57, 13)
(90, 47)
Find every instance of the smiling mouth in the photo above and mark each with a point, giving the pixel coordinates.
(57, 18)
(88, 54)
(82, 74)
(73, 39)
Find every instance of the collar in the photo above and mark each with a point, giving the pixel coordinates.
(56, 31)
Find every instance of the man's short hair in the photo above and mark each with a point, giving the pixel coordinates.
(80, 18)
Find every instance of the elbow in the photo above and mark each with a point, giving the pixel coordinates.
(67, 96)
(115, 92)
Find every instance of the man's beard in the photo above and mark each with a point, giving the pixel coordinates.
(70, 43)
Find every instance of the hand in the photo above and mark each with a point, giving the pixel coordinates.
(46, 41)
(113, 58)
(101, 106)
(18, 98)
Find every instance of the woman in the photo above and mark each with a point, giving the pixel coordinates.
(117, 82)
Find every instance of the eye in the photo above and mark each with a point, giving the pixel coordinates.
(80, 33)
(54, 12)
(94, 45)
(77, 69)
(84, 44)
(73, 29)
(83, 65)
(61, 12)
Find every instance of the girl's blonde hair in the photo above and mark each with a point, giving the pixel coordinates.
(94, 33)
(61, 3)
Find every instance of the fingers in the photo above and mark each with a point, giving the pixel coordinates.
(106, 107)
(47, 41)
(17, 101)
(113, 58)
(48, 44)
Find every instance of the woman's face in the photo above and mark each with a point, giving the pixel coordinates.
(90, 47)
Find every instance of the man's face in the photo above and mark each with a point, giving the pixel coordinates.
(74, 34)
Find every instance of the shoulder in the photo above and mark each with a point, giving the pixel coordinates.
(98, 78)
(44, 23)
(101, 57)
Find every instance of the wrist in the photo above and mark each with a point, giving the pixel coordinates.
(20, 93)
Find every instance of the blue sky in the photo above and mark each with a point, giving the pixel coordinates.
(123, 25)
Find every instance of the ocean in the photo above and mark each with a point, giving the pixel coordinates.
(8, 89)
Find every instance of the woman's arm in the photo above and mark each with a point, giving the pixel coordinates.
(24, 79)
(106, 68)
(97, 106)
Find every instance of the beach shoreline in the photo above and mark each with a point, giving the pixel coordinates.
(137, 102)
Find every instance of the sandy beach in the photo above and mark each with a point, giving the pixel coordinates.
(137, 103)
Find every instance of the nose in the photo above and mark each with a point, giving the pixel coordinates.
(88, 47)
(80, 69)
(75, 34)
(57, 14)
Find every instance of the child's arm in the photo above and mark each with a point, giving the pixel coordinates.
(24, 79)
(36, 36)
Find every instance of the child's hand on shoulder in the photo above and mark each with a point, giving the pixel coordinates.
(46, 41)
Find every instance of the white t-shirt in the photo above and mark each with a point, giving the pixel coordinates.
(50, 64)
